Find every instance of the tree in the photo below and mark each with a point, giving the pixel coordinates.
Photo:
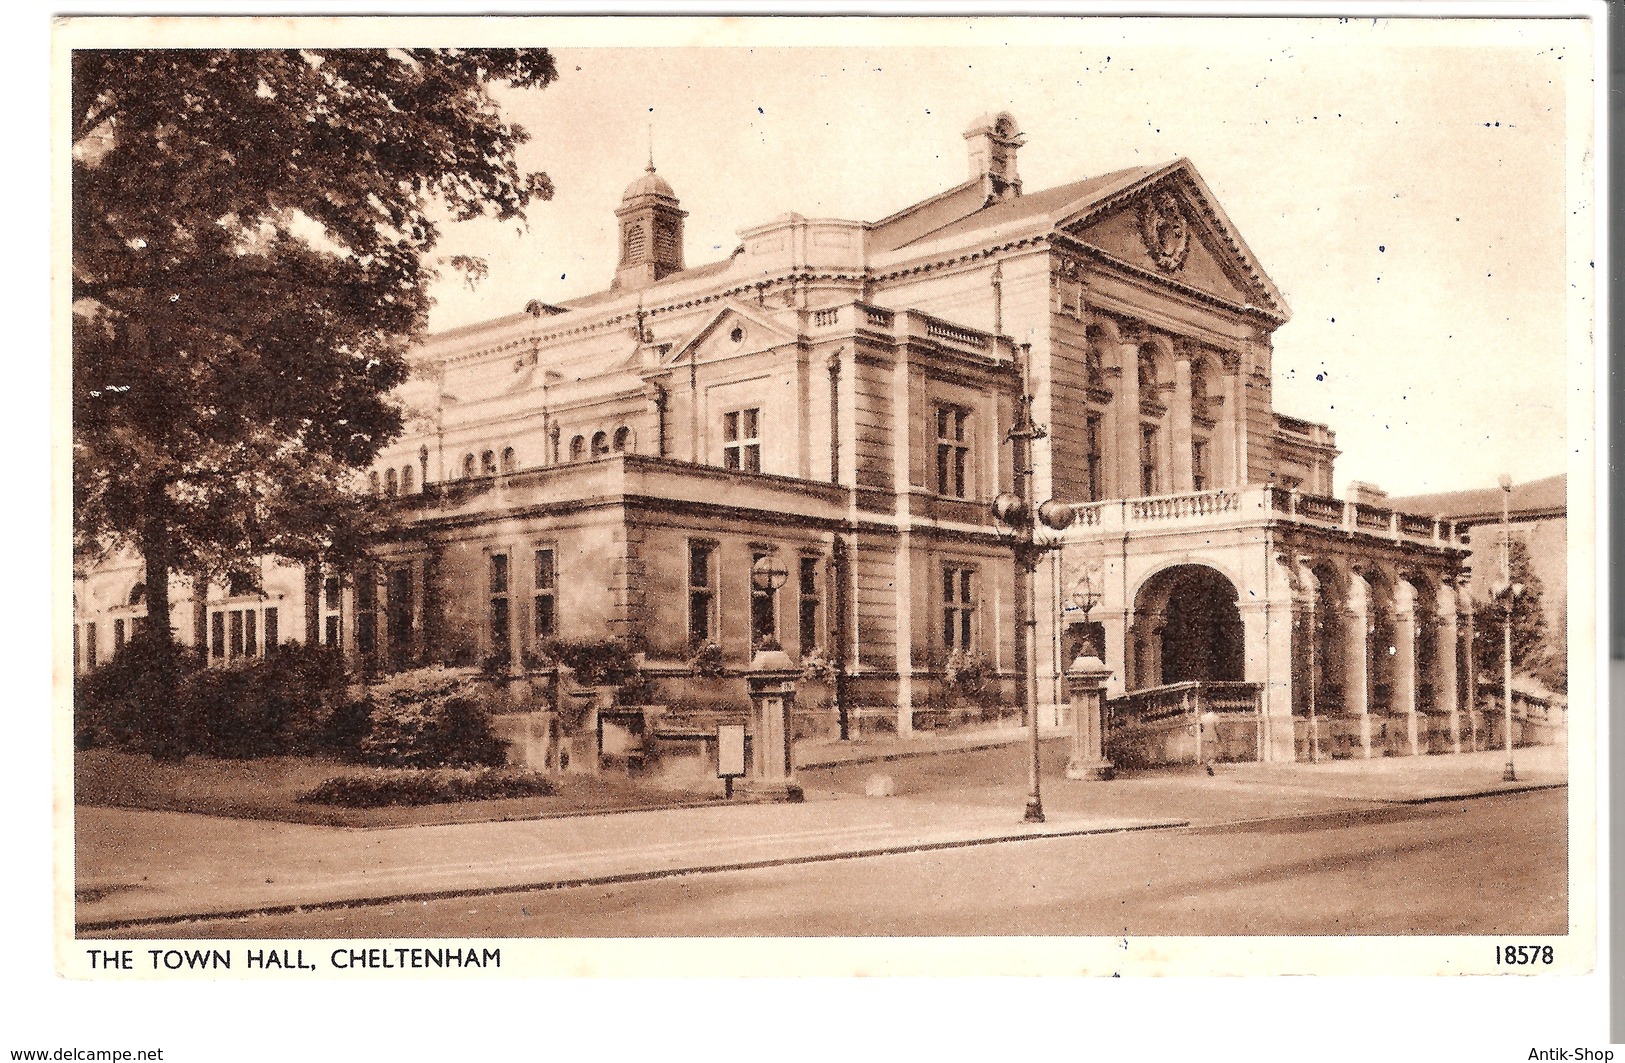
(1534, 652)
(252, 233)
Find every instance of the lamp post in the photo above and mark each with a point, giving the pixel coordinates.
(1014, 511)
(1510, 591)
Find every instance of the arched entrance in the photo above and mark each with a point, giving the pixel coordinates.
(1187, 627)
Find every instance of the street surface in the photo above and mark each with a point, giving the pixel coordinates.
(1491, 865)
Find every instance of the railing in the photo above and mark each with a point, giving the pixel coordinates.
(1192, 697)
(1172, 724)
(1202, 504)
(878, 318)
(823, 318)
(941, 330)
(1225, 506)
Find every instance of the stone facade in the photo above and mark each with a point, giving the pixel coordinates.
(834, 397)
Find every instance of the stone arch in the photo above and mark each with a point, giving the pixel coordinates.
(510, 460)
(600, 444)
(1186, 626)
(1329, 637)
(1155, 351)
(578, 448)
(623, 441)
(1380, 647)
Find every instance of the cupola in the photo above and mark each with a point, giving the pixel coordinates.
(651, 232)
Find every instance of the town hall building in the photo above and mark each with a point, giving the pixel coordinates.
(798, 445)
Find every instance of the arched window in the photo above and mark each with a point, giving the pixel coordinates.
(1199, 388)
(488, 463)
(623, 440)
(468, 466)
(372, 481)
(510, 462)
(600, 444)
(578, 448)
(407, 478)
(138, 594)
(1148, 371)
(392, 483)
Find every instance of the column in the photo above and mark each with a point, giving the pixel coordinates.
(420, 585)
(1405, 662)
(773, 694)
(1444, 663)
(1226, 460)
(1179, 425)
(1356, 695)
(1126, 404)
(1267, 635)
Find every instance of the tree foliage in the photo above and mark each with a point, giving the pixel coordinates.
(252, 233)
(1535, 651)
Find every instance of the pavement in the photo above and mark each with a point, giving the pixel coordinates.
(139, 870)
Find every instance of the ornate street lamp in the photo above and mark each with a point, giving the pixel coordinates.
(1505, 589)
(1015, 512)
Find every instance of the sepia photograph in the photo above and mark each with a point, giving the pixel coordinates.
(763, 496)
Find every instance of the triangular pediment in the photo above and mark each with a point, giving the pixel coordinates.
(1169, 225)
(756, 331)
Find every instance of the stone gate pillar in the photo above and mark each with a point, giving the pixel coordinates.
(1086, 690)
(772, 696)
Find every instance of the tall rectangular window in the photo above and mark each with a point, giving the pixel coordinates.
(270, 630)
(366, 613)
(958, 608)
(1091, 455)
(545, 587)
(330, 592)
(90, 645)
(217, 635)
(701, 592)
(236, 633)
(953, 450)
(118, 635)
(809, 604)
(330, 632)
(742, 440)
(1148, 459)
(499, 604)
(763, 608)
(1199, 464)
(251, 641)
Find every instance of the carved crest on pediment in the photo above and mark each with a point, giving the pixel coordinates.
(1165, 230)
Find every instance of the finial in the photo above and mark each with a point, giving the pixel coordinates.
(651, 166)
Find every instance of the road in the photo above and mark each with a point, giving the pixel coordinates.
(1484, 866)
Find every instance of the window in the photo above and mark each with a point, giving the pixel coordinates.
(499, 604)
(392, 483)
(468, 466)
(236, 633)
(332, 603)
(330, 632)
(330, 592)
(217, 635)
(90, 645)
(271, 633)
(488, 463)
(372, 481)
(118, 635)
(1147, 368)
(636, 240)
(701, 592)
(510, 461)
(958, 608)
(366, 614)
(623, 440)
(741, 440)
(1199, 464)
(809, 604)
(578, 448)
(138, 594)
(546, 582)
(406, 480)
(1091, 455)
(764, 620)
(600, 444)
(1148, 459)
(1199, 389)
(953, 450)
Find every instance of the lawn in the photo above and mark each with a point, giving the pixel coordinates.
(270, 788)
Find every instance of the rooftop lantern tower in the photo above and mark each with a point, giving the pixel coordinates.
(651, 226)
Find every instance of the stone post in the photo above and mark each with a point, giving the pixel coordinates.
(1085, 688)
(772, 696)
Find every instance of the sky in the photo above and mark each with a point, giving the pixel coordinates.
(1403, 183)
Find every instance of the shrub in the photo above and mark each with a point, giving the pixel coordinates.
(706, 661)
(111, 703)
(427, 787)
(429, 717)
(601, 662)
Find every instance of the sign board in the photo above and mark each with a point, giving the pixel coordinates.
(730, 750)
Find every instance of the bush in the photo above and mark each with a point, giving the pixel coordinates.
(260, 707)
(429, 717)
(428, 787)
(596, 663)
(111, 705)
